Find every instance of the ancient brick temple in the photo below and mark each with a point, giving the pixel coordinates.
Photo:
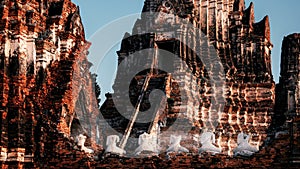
(221, 81)
(287, 92)
(243, 49)
(288, 88)
(45, 82)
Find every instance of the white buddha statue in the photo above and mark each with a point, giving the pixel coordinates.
(207, 140)
(147, 142)
(80, 142)
(244, 148)
(175, 145)
(111, 143)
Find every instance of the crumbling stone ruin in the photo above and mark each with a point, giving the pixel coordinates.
(287, 104)
(220, 86)
(45, 83)
(287, 94)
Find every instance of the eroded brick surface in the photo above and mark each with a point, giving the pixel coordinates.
(44, 72)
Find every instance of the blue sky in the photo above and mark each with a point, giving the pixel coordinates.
(284, 20)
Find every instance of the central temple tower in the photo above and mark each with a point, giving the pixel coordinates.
(228, 87)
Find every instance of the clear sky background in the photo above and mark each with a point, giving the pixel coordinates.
(284, 20)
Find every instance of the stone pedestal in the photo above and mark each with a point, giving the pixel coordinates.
(28, 158)
(16, 155)
(3, 155)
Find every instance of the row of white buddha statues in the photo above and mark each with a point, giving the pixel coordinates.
(148, 142)
(244, 148)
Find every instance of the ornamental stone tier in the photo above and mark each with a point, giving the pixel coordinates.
(228, 87)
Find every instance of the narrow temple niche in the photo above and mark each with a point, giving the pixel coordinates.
(30, 69)
(291, 101)
(76, 128)
(2, 56)
(29, 17)
(80, 124)
(41, 76)
(55, 8)
(14, 65)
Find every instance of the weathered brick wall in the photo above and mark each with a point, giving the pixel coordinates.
(43, 71)
(287, 93)
(287, 103)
